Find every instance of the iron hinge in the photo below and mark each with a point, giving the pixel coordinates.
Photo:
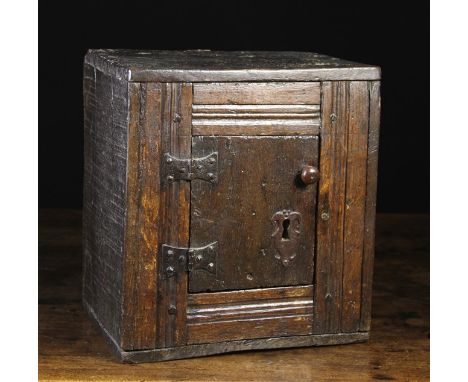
(175, 169)
(177, 260)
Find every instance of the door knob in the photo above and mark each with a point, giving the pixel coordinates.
(309, 174)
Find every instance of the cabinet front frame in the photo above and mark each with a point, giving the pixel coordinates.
(154, 310)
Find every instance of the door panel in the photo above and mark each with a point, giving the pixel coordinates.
(250, 313)
(262, 217)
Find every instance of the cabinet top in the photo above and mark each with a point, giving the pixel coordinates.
(208, 66)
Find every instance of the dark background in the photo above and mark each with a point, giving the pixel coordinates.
(391, 35)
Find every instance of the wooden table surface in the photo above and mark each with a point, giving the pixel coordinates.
(72, 349)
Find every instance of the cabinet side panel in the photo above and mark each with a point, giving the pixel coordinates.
(371, 198)
(105, 141)
(141, 240)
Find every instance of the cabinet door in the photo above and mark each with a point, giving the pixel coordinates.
(259, 213)
(259, 216)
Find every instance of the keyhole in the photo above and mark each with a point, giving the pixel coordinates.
(285, 235)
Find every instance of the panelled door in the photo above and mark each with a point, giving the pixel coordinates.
(253, 199)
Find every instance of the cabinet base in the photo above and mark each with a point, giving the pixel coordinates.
(200, 350)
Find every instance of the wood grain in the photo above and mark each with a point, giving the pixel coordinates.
(205, 314)
(221, 331)
(371, 202)
(207, 66)
(256, 119)
(237, 211)
(270, 93)
(355, 202)
(250, 295)
(175, 213)
(256, 313)
(331, 208)
(232, 109)
(141, 242)
(255, 127)
(272, 139)
(105, 141)
(342, 201)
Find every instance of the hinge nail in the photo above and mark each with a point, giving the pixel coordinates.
(170, 271)
(172, 309)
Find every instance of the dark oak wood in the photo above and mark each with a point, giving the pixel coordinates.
(255, 126)
(270, 93)
(71, 347)
(203, 219)
(342, 208)
(250, 295)
(371, 201)
(358, 109)
(234, 110)
(207, 66)
(143, 214)
(275, 108)
(254, 313)
(175, 213)
(238, 211)
(105, 141)
(331, 208)
(249, 328)
(205, 314)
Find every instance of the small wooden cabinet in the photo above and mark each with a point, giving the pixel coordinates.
(229, 200)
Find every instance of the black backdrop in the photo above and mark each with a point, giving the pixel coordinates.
(391, 35)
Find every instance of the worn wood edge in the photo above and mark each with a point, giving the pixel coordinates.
(92, 58)
(204, 314)
(131, 210)
(371, 204)
(257, 130)
(139, 299)
(287, 75)
(105, 103)
(356, 73)
(355, 202)
(202, 350)
(291, 75)
(107, 336)
(243, 295)
(234, 109)
(256, 93)
(331, 200)
(236, 329)
(175, 208)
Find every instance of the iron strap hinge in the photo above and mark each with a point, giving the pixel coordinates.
(175, 169)
(177, 260)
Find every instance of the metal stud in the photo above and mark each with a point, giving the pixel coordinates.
(172, 309)
(170, 271)
(325, 216)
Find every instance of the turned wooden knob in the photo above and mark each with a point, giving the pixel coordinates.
(309, 174)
